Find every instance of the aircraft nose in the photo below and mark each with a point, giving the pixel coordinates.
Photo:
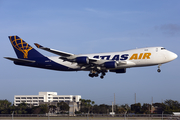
(173, 55)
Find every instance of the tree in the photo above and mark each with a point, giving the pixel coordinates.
(21, 108)
(160, 107)
(136, 108)
(52, 108)
(64, 107)
(86, 105)
(123, 108)
(171, 106)
(146, 108)
(41, 109)
(4, 106)
(104, 109)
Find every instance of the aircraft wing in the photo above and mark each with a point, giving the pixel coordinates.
(83, 61)
(60, 53)
(64, 55)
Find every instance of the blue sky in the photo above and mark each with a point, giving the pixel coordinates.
(92, 26)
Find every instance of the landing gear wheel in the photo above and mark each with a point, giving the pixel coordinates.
(96, 75)
(103, 73)
(159, 70)
(91, 75)
(101, 77)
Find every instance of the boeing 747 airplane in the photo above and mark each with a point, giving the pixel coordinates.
(98, 63)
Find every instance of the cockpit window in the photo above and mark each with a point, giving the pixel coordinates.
(163, 48)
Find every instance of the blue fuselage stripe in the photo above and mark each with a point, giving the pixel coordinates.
(46, 63)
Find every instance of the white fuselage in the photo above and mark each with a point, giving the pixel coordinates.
(133, 58)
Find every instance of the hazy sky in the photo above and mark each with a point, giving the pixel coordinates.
(92, 26)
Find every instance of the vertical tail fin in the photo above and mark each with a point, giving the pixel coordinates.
(23, 50)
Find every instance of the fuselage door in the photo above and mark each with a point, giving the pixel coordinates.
(156, 49)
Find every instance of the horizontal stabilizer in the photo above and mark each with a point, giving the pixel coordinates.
(20, 60)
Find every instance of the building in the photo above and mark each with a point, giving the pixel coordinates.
(50, 98)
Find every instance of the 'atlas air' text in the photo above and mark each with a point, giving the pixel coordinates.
(135, 56)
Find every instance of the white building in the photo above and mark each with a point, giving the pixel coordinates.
(45, 97)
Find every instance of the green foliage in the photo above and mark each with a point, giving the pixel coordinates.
(4, 104)
(41, 109)
(87, 106)
(64, 107)
(171, 106)
(146, 108)
(103, 109)
(123, 109)
(136, 108)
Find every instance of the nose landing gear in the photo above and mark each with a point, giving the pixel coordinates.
(159, 70)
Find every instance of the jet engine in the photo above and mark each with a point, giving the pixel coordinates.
(111, 64)
(82, 60)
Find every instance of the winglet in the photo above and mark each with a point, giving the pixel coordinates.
(37, 45)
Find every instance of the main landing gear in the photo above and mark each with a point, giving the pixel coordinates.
(96, 74)
(159, 70)
(102, 75)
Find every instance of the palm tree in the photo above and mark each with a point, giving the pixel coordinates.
(92, 105)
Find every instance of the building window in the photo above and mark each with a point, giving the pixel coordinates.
(17, 100)
(74, 99)
(23, 100)
(17, 97)
(29, 101)
(67, 97)
(55, 101)
(67, 101)
(49, 94)
(41, 100)
(55, 97)
(61, 97)
(35, 104)
(35, 97)
(35, 100)
(23, 97)
(29, 97)
(49, 97)
(41, 97)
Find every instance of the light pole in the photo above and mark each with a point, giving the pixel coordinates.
(12, 115)
(162, 114)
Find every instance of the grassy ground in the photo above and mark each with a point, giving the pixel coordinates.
(81, 118)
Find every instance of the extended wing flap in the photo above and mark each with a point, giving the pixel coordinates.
(60, 53)
(20, 60)
(122, 63)
(91, 60)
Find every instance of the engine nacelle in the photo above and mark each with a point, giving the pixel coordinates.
(119, 70)
(82, 60)
(111, 64)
